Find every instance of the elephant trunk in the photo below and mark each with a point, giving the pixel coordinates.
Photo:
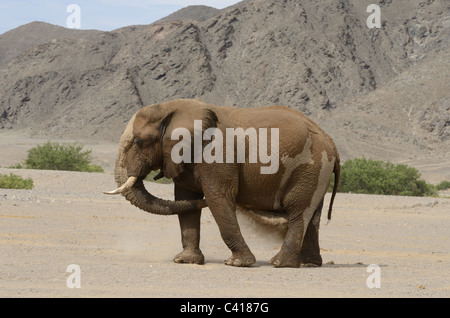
(132, 188)
(141, 198)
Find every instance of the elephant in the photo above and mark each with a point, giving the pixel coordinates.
(293, 192)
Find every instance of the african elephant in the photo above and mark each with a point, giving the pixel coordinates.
(305, 158)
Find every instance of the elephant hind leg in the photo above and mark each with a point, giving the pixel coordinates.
(303, 202)
(303, 214)
(289, 254)
(310, 253)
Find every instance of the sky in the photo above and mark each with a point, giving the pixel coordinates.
(105, 15)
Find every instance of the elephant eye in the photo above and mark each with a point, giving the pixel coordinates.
(138, 142)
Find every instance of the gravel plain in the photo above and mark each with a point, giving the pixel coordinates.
(124, 252)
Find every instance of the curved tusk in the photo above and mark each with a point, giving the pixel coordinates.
(127, 185)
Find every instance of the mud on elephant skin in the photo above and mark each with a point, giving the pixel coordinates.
(291, 195)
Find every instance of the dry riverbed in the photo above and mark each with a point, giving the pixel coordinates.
(124, 252)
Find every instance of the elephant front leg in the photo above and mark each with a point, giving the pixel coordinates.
(220, 187)
(190, 230)
(224, 213)
(231, 234)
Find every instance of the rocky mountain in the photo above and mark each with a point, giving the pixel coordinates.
(13, 42)
(383, 93)
(196, 13)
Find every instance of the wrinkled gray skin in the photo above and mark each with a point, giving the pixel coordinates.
(292, 197)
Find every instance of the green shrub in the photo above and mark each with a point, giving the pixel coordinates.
(361, 175)
(444, 185)
(152, 174)
(54, 156)
(16, 166)
(15, 182)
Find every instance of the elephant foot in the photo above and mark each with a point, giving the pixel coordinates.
(241, 260)
(190, 257)
(311, 261)
(309, 265)
(283, 261)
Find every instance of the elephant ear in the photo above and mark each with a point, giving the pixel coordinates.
(183, 122)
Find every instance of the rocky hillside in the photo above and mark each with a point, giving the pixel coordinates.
(194, 13)
(378, 92)
(18, 40)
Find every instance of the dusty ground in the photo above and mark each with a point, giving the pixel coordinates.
(124, 252)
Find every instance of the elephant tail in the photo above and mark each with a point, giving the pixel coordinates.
(337, 172)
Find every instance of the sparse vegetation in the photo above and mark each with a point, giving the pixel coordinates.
(152, 174)
(444, 185)
(13, 181)
(55, 156)
(362, 175)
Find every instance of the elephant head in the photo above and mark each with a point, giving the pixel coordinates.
(146, 146)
